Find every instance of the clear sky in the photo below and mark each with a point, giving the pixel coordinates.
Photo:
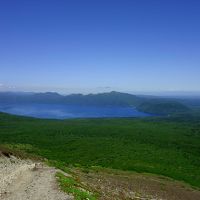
(96, 45)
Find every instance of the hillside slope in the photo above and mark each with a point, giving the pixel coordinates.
(162, 107)
(152, 145)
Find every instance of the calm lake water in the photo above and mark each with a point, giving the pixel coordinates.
(60, 111)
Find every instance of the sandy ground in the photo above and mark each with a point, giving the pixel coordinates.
(20, 180)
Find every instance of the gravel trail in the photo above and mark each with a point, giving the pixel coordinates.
(21, 180)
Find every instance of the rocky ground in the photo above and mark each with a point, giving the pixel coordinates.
(119, 185)
(24, 179)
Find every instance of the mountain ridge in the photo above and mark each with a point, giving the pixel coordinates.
(145, 104)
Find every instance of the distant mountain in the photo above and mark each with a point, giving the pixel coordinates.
(145, 104)
(112, 98)
(24, 97)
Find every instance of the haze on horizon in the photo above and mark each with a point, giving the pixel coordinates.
(102, 45)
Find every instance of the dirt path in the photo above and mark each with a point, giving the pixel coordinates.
(20, 180)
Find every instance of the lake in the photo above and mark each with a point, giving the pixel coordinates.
(61, 111)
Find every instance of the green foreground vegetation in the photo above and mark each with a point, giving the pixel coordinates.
(153, 145)
(71, 186)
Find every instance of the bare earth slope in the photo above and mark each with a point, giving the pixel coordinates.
(27, 180)
(19, 179)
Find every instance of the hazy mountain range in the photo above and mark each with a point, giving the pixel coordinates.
(150, 104)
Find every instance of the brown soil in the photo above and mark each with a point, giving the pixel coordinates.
(124, 186)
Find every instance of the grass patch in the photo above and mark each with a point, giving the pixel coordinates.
(71, 186)
(13, 149)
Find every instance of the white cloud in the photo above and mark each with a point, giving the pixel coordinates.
(4, 87)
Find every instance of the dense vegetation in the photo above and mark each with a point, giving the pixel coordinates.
(162, 108)
(160, 146)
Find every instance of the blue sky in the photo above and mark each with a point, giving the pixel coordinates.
(100, 45)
